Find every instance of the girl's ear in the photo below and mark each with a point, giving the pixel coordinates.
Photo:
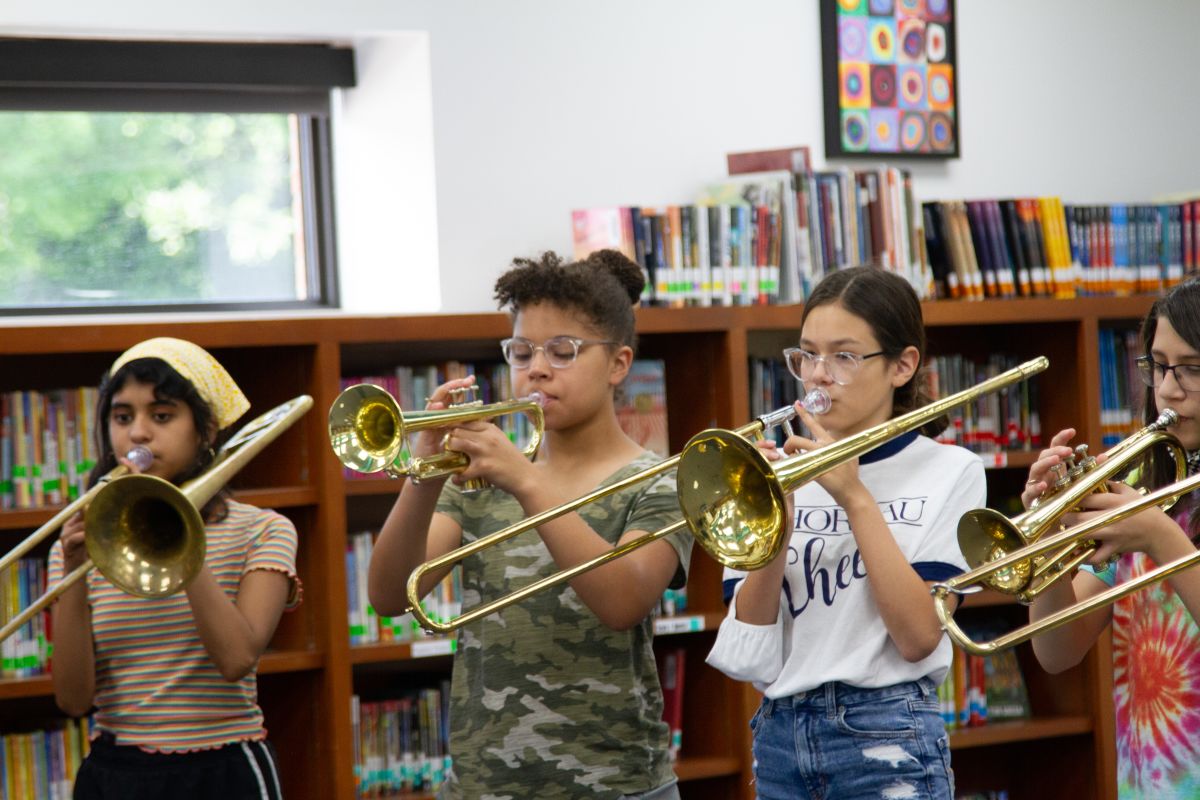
(905, 366)
(622, 359)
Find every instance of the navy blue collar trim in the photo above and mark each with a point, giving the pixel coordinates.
(888, 448)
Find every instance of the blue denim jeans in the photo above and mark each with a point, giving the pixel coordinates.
(839, 742)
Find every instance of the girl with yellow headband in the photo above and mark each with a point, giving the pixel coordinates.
(173, 679)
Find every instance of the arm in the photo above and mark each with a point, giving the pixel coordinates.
(1065, 646)
(236, 631)
(623, 592)
(73, 670)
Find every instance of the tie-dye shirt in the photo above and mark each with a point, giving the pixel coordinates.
(1156, 687)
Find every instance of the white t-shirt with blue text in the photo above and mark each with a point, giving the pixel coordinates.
(829, 627)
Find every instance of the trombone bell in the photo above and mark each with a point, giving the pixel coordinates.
(731, 500)
(149, 540)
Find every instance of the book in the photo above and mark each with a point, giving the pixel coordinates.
(642, 406)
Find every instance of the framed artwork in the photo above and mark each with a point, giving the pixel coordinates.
(890, 78)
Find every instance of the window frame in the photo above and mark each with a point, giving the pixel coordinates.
(198, 77)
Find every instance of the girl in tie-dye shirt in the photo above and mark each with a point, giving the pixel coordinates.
(1156, 641)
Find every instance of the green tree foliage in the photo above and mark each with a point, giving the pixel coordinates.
(128, 208)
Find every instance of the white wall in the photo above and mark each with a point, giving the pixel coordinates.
(540, 106)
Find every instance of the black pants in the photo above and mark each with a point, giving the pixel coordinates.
(238, 771)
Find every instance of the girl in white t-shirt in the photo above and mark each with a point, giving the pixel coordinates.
(839, 631)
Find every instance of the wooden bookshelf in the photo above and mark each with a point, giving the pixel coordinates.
(306, 681)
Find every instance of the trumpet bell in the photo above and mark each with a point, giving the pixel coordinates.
(144, 536)
(366, 429)
(731, 499)
(984, 536)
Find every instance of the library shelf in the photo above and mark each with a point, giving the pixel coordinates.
(1020, 731)
(700, 767)
(307, 685)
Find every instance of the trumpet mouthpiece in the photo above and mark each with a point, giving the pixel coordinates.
(535, 397)
(141, 457)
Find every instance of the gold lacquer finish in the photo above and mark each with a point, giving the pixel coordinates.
(779, 417)
(144, 534)
(1054, 542)
(985, 535)
(734, 499)
(369, 432)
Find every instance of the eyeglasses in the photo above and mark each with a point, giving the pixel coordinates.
(841, 367)
(1154, 373)
(560, 351)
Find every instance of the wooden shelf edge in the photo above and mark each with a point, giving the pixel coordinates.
(269, 497)
(379, 652)
(37, 686)
(290, 661)
(1025, 730)
(365, 487)
(694, 769)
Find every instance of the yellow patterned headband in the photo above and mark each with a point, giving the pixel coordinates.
(199, 368)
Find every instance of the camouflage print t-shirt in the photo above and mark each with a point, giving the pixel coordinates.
(546, 701)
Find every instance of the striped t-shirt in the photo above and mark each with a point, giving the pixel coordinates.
(156, 686)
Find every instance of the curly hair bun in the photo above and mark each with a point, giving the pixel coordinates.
(627, 273)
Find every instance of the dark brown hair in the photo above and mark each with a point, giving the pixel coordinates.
(603, 288)
(1180, 307)
(890, 306)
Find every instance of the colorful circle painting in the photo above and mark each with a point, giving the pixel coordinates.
(911, 82)
(854, 131)
(941, 132)
(894, 90)
(855, 92)
(883, 85)
(881, 39)
(912, 132)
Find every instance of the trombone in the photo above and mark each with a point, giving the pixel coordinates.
(369, 432)
(1069, 537)
(984, 534)
(734, 542)
(145, 534)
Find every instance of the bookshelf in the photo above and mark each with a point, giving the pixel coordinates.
(307, 679)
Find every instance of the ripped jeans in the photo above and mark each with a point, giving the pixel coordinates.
(839, 742)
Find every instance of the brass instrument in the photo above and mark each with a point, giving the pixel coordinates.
(700, 478)
(779, 417)
(1066, 538)
(984, 534)
(145, 534)
(734, 499)
(369, 432)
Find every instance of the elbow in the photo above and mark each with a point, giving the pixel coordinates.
(233, 669)
(73, 706)
(620, 620)
(384, 606)
(1053, 661)
(919, 649)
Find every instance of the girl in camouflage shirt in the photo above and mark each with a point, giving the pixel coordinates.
(556, 696)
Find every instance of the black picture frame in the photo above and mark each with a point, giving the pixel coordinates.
(889, 73)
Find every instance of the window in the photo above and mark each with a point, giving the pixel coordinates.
(149, 175)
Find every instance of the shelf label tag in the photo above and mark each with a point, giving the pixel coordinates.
(996, 460)
(433, 647)
(664, 625)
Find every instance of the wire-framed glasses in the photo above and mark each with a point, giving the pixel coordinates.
(1154, 373)
(560, 351)
(841, 367)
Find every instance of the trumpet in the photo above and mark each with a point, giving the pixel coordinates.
(1065, 538)
(744, 536)
(369, 432)
(145, 534)
(984, 535)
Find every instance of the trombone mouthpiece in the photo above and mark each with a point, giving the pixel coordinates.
(817, 401)
(535, 397)
(141, 457)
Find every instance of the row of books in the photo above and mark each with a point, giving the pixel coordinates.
(42, 765)
(1120, 385)
(672, 662)
(997, 421)
(442, 604)
(766, 234)
(47, 446)
(1032, 247)
(27, 652)
(982, 688)
(1006, 420)
(402, 745)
